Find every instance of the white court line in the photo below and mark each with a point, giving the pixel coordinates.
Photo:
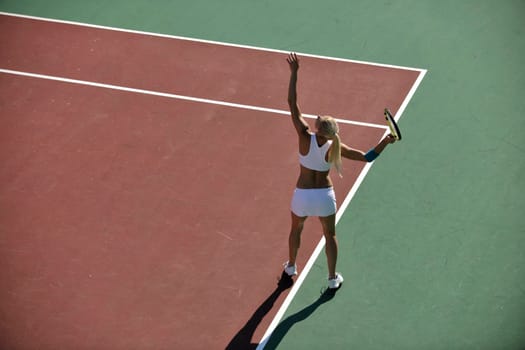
(350, 194)
(175, 96)
(96, 26)
(189, 98)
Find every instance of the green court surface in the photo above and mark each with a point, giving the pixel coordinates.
(432, 246)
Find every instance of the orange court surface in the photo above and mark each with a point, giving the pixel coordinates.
(146, 180)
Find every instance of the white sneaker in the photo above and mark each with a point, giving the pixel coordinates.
(290, 270)
(336, 282)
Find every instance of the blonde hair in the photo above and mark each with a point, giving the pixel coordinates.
(328, 128)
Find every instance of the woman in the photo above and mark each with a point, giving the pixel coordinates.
(314, 194)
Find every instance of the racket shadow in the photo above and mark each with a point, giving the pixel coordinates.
(243, 339)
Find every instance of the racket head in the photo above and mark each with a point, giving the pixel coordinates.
(394, 129)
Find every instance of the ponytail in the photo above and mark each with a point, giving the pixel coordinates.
(335, 154)
(328, 126)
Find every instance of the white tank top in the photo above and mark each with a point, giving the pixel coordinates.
(315, 159)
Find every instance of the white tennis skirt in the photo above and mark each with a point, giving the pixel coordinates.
(314, 202)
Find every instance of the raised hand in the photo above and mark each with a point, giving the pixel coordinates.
(293, 62)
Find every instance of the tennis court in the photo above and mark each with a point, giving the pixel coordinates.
(147, 172)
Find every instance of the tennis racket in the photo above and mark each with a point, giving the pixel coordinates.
(394, 129)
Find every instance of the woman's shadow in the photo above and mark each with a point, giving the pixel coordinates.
(285, 325)
(243, 339)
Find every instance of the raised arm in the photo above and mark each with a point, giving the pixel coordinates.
(299, 123)
(369, 156)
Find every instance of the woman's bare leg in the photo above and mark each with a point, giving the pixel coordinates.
(294, 240)
(331, 247)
